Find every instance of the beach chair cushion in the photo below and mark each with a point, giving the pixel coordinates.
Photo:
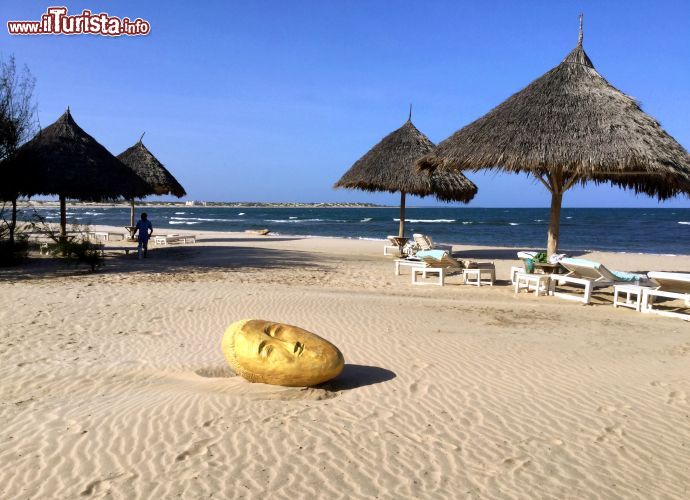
(432, 254)
(623, 276)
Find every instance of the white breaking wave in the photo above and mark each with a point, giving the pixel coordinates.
(366, 220)
(684, 223)
(295, 220)
(203, 220)
(467, 222)
(181, 222)
(180, 213)
(293, 217)
(538, 220)
(514, 223)
(428, 221)
(241, 213)
(568, 217)
(94, 213)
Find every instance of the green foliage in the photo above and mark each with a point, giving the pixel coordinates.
(75, 247)
(14, 245)
(79, 251)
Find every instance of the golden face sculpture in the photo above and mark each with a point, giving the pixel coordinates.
(280, 354)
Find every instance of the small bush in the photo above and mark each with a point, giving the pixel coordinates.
(79, 251)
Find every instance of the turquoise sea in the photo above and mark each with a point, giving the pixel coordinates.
(664, 231)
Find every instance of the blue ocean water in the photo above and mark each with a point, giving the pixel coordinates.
(664, 231)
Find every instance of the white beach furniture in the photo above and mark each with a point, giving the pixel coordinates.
(440, 263)
(633, 296)
(411, 263)
(425, 242)
(590, 275)
(393, 246)
(671, 286)
(106, 235)
(174, 238)
(539, 283)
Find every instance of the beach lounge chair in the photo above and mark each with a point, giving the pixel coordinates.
(106, 235)
(671, 286)
(174, 238)
(440, 263)
(590, 275)
(424, 242)
(392, 246)
(525, 257)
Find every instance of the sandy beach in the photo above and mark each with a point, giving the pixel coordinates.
(114, 385)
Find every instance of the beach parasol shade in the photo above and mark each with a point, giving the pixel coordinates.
(391, 166)
(158, 179)
(63, 159)
(570, 126)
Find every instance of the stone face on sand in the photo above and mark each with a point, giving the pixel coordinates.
(280, 354)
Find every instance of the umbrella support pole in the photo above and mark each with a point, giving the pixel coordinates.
(554, 222)
(131, 212)
(401, 228)
(63, 218)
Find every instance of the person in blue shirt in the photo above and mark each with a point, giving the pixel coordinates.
(145, 230)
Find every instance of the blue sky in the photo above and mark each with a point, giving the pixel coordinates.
(274, 100)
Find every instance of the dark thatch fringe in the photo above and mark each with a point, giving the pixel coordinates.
(62, 159)
(390, 166)
(159, 180)
(571, 121)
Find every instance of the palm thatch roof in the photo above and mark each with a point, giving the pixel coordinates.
(159, 180)
(63, 159)
(391, 166)
(573, 122)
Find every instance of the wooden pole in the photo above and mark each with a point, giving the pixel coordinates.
(63, 217)
(554, 222)
(131, 212)
(401, 229)
(557, 182)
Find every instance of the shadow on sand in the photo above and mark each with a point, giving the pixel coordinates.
(355, 376)
(190, 258)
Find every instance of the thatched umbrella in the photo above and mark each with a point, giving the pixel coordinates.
(62, 159)
(391, 166)
(158, 179)
(568, 127)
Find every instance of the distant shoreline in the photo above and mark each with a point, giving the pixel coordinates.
(210, 204)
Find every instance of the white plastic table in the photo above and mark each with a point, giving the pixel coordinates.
(630, 291)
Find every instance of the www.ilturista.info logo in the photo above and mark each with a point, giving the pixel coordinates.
(55, 21)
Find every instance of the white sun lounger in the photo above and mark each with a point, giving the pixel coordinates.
(425, 242)
(590, 275)
(473, 273)
(670, 285)
(391, 245)
(174, 238)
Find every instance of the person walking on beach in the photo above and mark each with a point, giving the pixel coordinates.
(145, 229)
